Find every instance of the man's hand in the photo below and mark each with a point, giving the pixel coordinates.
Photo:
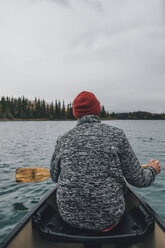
(155, 164)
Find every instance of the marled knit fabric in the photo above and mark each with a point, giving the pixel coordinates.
(90, 163)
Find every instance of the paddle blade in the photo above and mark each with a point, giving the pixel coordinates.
(35, 174)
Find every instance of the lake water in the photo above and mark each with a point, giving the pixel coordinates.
(31, 144)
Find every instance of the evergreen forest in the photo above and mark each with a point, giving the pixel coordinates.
(22, 108)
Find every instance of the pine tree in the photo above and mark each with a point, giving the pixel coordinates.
(51, 114)
(103, 112)
(63, 111)
(59, 110)
(43, 109)
(56, 109)
(3, 104)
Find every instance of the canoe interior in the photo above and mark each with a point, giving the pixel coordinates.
(27, 236)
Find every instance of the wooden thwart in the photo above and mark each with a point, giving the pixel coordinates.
(35, 174)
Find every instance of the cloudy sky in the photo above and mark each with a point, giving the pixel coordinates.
(54, 49)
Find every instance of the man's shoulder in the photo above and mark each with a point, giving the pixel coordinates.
(102, 127)
(112, 128)
(67, 134)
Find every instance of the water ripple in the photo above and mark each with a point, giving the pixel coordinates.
(29, 144)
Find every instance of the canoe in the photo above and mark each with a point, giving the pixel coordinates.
(43, 227)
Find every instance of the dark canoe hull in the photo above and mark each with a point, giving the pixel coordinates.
(25, 235)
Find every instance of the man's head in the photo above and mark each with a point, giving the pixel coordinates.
(86, 104)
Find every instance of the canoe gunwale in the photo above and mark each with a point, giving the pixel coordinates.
(157, 218)
(20, 225)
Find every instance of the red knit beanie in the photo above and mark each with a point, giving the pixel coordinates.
(86, 104)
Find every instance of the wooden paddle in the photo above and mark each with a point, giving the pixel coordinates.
(36, 174)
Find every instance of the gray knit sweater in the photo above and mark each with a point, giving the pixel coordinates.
(90, 164)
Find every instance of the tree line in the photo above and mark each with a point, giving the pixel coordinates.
(138, 115)
(23, 108)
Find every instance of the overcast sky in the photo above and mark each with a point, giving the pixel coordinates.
(54, 49)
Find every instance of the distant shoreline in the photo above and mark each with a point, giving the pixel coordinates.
(103, 119)
(23, 109)
(106, 119)
(15, 119)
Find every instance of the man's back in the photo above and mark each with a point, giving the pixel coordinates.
(88, 166)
